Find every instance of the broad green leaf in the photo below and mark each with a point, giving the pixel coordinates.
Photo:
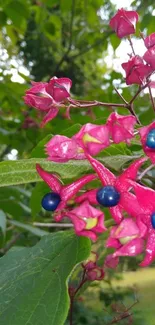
(3, 222)
(34, 230)
(33, 282)
(24, 171)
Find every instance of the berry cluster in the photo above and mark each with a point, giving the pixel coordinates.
(131, 204)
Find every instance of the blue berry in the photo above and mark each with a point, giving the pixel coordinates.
(150, 141)
(153, 220)
(50, 201)
(108, 196)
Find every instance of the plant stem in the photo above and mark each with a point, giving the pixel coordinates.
(151, 97)
(50, 225)
(123, 99)
(145, 171)
(72, 296)
(131, 44)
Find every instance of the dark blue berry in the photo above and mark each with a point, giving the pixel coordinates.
(50, 201)
(153, 220)
(150, 140)
(108, 196)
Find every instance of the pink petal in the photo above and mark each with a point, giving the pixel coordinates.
(50, 115)
(105, 175)
(62, 149)
(41, 103)
(121, 127)
(149, 56)
(69, 191)
(50, 179)
(132, 248)
(130, 173)
(87, 211)
(93, 137)
(116, 213)
(79, 224)
(150, 40)
(150, 249)
(59, 88)
(145, 197)
(127, 228)
(124, 22)
(87, 233)
(111, 261)
(113, 243)
(90, 196)
(130, 204)
(37, 87)
(143, 134)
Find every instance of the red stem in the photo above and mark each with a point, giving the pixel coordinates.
(72, 296)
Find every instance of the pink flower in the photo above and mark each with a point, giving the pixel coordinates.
(146, 199)
(62, 149)
(127, 238)
(48, 97)
(124, 22)
(111, 262)
(95, 274)
(93, 271)
(114, 193)
(87, 220)
(121, 127)
(136, 71)
(150, 40)
(149, 57)
(65, 193)
(147, 133)
(93, 137)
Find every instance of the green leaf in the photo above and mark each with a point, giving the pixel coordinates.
(34, 230)
(3, 222)
(33, 287)
(39, 150)
(18, 12)
(3, 18)
(65, 5)
(37, 194)
(24, 171)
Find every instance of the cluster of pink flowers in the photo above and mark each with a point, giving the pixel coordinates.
(131, 205)
(92, 138)
(137, 71)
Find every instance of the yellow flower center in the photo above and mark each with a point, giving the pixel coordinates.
(90, 223)
(88, 138)
(125, 240)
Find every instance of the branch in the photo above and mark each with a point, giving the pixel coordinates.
(70, 39)
(51, 225)
(90, 47)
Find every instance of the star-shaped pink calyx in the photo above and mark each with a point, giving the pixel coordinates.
(115, 191)
(146, 200)
(58, 199)
(87, 220)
